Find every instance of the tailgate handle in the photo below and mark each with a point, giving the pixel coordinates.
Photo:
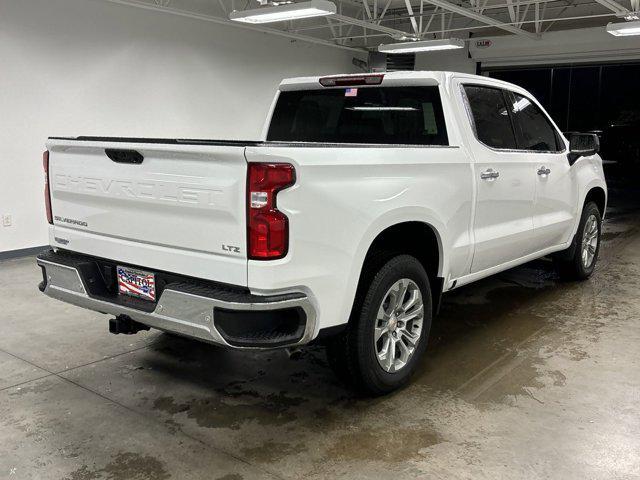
(124, 156)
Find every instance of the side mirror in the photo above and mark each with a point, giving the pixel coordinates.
(582, 145)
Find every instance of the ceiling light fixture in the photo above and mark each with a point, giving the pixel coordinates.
(289, 11)
(404, 37)
(383, 109)
(624, 29)
(422, 46)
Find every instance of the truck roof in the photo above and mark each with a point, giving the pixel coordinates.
(420, 77)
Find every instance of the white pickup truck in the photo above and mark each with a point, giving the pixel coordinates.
(366, 199)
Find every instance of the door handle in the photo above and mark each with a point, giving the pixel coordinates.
(544, 171)
(489, 174)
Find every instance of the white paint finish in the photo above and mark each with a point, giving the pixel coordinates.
(520, 212)
(389, 79)
(556, 204)
(345, 196)
(82, 67)
(586, 173)
(503, 223)
(159, 257)
(554, 201)
(182, 200)
(503, 206)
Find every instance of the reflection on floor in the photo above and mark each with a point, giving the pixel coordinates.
(526, 377)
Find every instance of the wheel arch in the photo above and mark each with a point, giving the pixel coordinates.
(419, 237)
(595, 189)
(597, 195)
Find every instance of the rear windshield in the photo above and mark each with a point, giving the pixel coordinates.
(382, 115)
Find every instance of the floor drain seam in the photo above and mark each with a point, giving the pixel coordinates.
(157, 421)
(621, 243)
(16, 385)
(502, 358)
(140, 414)
(110, 357)
(27, 361)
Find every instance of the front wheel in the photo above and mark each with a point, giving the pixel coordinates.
(387, 334)
(583, 256)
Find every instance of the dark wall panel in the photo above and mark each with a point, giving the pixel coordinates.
(598, 98)
(584, 115)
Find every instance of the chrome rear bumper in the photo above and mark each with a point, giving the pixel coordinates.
(184, 309)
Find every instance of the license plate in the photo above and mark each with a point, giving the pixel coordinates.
(136, 283)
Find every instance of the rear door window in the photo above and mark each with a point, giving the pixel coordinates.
(491, 117)
(377, 115)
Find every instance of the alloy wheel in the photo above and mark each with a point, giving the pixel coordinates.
(398, 325)
(589, 241)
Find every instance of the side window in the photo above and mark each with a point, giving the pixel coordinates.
(490, 116)
(533, 129)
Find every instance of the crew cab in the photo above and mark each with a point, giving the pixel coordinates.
(367, 197)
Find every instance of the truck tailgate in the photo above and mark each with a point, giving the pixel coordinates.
(181, 210)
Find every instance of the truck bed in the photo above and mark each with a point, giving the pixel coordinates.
(165, 141)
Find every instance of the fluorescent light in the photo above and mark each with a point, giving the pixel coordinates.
(290, 11)
(383, 109)
(521, 104)
(422, 46)
(624, 29)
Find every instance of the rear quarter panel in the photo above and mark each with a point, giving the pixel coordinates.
(589, 174)
(344, 197)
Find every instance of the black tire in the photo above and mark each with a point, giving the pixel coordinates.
(570, 264)
(352, 354)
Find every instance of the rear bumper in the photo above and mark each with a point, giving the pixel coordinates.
(220, 314)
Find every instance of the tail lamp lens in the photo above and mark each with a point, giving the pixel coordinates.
(47, 191)
(267, 227)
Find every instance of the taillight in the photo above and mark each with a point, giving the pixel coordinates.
(47, 191)
(267, 227)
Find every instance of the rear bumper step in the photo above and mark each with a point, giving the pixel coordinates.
(220, 314)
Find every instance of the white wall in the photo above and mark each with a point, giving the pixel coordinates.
(447, 60)
(88, 67)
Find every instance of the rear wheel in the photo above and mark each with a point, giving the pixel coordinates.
(579, 261)
(387, 334)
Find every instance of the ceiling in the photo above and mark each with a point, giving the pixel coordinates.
(362, 25)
